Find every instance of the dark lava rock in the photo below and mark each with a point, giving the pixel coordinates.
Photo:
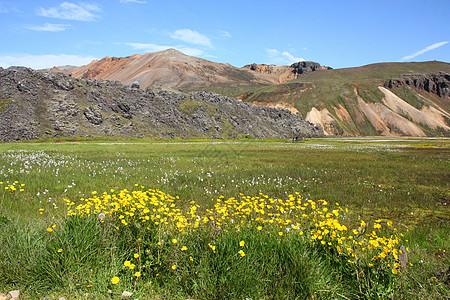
(38, 104)
(303, 67)
(437, 83)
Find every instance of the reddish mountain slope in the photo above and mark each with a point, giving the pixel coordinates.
(169, 68)
(174, 69)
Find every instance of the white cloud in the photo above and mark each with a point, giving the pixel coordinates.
(192, 37)
(272, 52)
(426, 49)
(156, 48)
(225, 34)
(49, 27)
(133, 1)
(291, 58)
(45, 61)
(71, 11)
(283, 57)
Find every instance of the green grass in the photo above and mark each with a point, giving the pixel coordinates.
(405, 180)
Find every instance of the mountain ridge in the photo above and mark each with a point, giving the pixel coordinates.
(174, 69)
(375, 99)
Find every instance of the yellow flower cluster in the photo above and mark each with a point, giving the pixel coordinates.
(374, 245)
(315, 220)
(13, 187)
(143, 207)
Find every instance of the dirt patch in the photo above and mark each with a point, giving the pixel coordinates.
(322, 118)
(431, 118)
(342, 113)
(374, 118)
(279, 105)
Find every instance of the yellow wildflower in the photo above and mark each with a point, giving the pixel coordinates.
(115, 280)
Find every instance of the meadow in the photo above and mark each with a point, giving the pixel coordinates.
(243, 219)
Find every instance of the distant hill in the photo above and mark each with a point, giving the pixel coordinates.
(387, 99)
(67, 69)
(40, 105)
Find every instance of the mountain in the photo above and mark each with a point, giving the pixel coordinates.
(170, 68)
(39, 105)
(387, 99)
(173, 69)
(67, 69)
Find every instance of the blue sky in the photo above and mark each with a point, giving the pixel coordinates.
(336, 33)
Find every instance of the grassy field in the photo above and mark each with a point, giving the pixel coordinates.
(406, 181)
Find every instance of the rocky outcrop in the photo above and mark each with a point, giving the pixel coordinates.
(304, 67)
(36, 104)
(438, 83)
(280, 74)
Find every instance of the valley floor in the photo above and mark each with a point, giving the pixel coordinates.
(396, 182)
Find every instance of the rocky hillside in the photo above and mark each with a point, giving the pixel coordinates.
(438, 84)
(279, 74)
(389, 99)
(36, 104)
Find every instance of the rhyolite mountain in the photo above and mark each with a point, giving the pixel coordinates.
(386, 99)
(42, 104)
(173, 69)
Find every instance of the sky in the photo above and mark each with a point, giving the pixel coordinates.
(335, 33)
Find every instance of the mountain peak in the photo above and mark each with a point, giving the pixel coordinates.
(170, 68)
(170, 51)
